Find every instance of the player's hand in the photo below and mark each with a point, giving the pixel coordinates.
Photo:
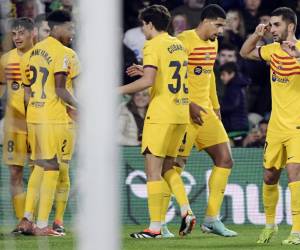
(195, 113)
(218, 113)
(72, 113)
(290, 48)
(261, 29)
(135, 70)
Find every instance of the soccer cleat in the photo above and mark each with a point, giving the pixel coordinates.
(267, 234)
(146, 234)
(165, 232)
(24, 227)
(217, 227)
(293, 239)
(188, 223)
(45, 231)
(58, 227)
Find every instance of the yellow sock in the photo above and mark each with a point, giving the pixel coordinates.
(179, 170)
(19, 205)
(295, 205)
(155, 195)
(177, 187)
(47, 193)
(270, 199)
(62, 192)
(33, 189)
(165, 201)
(217, 184)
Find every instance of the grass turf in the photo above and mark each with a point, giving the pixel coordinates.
(9, 242)
(197, 240)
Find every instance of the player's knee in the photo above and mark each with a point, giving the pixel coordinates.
(16, 175)
(181, 162)
(293, 172)
(271, 177)
(224, 160)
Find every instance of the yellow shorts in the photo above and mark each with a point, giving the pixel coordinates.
(211, 133)
(48, 141)
(71, 138)
(15, 148)
(162, 139)
(281, 149)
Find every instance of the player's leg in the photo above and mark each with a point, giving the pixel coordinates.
(274, 160)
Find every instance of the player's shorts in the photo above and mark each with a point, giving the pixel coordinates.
(212, 132)
(48, 141)
(71, 138)
(15, 148)
(281, 149)
(162, 139)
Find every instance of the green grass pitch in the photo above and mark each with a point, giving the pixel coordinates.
(197, 240)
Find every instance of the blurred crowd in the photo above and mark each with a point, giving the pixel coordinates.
(243, 86)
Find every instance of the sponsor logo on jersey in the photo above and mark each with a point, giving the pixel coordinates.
(276, 78)
(15, 86)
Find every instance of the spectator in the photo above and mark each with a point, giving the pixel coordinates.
(28, 8)
(264, 18)
(128, 60)
(134, 39)
(257, 136)
(234, 103)
(191, 9)
(235, 29)
(131, 118)
(250, 13)
(178, 24)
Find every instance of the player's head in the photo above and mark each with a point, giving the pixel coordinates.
(283, 22)
(41, 24)
(155, 18)
(213, 19)
(61, 26)
(22, 30)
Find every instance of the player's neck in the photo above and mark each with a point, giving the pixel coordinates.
(291, 37)
(156, 33)
(56, 36)
(201, 32)
(24, 50)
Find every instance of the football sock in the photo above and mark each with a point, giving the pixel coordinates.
(165, 201)
(48, 189)
(62, 192)
(217, 184)
(176, 184)
(33, 189)
(19, 204)
(155, 197)
(295, 205)
(270, 199)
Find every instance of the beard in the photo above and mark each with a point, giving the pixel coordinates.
(282, 37)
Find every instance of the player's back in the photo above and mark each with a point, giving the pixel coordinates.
(47, 58)
(201, 59)
(169, 94)
(15, 110)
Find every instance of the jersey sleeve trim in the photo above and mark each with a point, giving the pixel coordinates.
(259, 53)
(150, 66)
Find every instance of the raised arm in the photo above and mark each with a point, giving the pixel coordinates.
(249, 49)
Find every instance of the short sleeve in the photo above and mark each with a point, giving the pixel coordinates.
(62, 62)
(266, 51)
(150, 58)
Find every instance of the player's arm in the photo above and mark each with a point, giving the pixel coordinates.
(27, 93)
(146, 81)
(61, 91)
(2, 80)
(249, 49)
(213, 95)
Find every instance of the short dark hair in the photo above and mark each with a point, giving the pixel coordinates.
(24, 22)
(212, 11)
(39, 19)
(288, 15)
(229, 67)
(158, 15)
(58, 17)
(227, 46)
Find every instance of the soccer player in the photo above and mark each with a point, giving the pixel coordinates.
(165, 69)
(47, 121)
(15, 129)
(207, 132)
(283, 135)
(63, 186)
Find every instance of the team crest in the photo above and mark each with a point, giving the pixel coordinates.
(198, 70)
(15, 86)
(207, 56)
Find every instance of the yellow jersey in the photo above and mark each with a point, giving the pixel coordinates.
(14, 120)
(201, 59)
(47, 58)
(169, 103)
(285, 88)
(73, 72)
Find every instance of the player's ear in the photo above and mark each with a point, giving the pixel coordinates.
(291, 27)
